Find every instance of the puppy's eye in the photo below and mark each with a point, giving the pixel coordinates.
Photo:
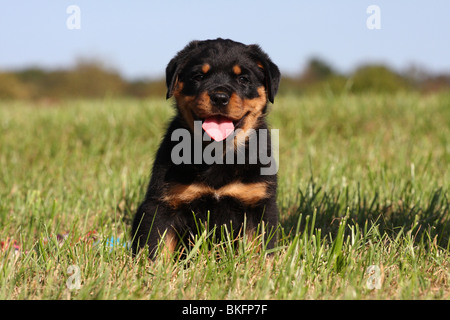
(244, 80)
(198, 77)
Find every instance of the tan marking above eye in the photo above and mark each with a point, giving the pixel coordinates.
(237, 70)
(206, 67)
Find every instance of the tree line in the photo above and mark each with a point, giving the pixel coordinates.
(91, 79)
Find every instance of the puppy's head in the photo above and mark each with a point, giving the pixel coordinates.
(223, 83)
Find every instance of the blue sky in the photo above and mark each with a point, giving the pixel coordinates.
(138, 38)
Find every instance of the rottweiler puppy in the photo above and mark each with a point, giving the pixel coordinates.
(214, 166)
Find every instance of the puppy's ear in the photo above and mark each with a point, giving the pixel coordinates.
(175, 66)
(272, 74)
(172, 72)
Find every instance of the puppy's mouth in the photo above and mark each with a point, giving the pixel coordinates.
(219, 127)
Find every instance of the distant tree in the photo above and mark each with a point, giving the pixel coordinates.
(93, 80)
(146, 88)
(436, 83)
(12, 88)
(88, 79)
(415, 75)
(316, 70)
(377, 78)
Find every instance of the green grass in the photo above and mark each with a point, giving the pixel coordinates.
(363, 181)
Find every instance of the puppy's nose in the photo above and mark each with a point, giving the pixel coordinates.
(219, 99)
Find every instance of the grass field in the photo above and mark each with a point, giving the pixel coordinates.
(363, 198)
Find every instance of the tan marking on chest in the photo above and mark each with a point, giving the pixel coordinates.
(248, 193)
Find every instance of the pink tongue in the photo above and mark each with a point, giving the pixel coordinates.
(218, 127)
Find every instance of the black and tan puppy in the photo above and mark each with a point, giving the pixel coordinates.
(211, 167)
